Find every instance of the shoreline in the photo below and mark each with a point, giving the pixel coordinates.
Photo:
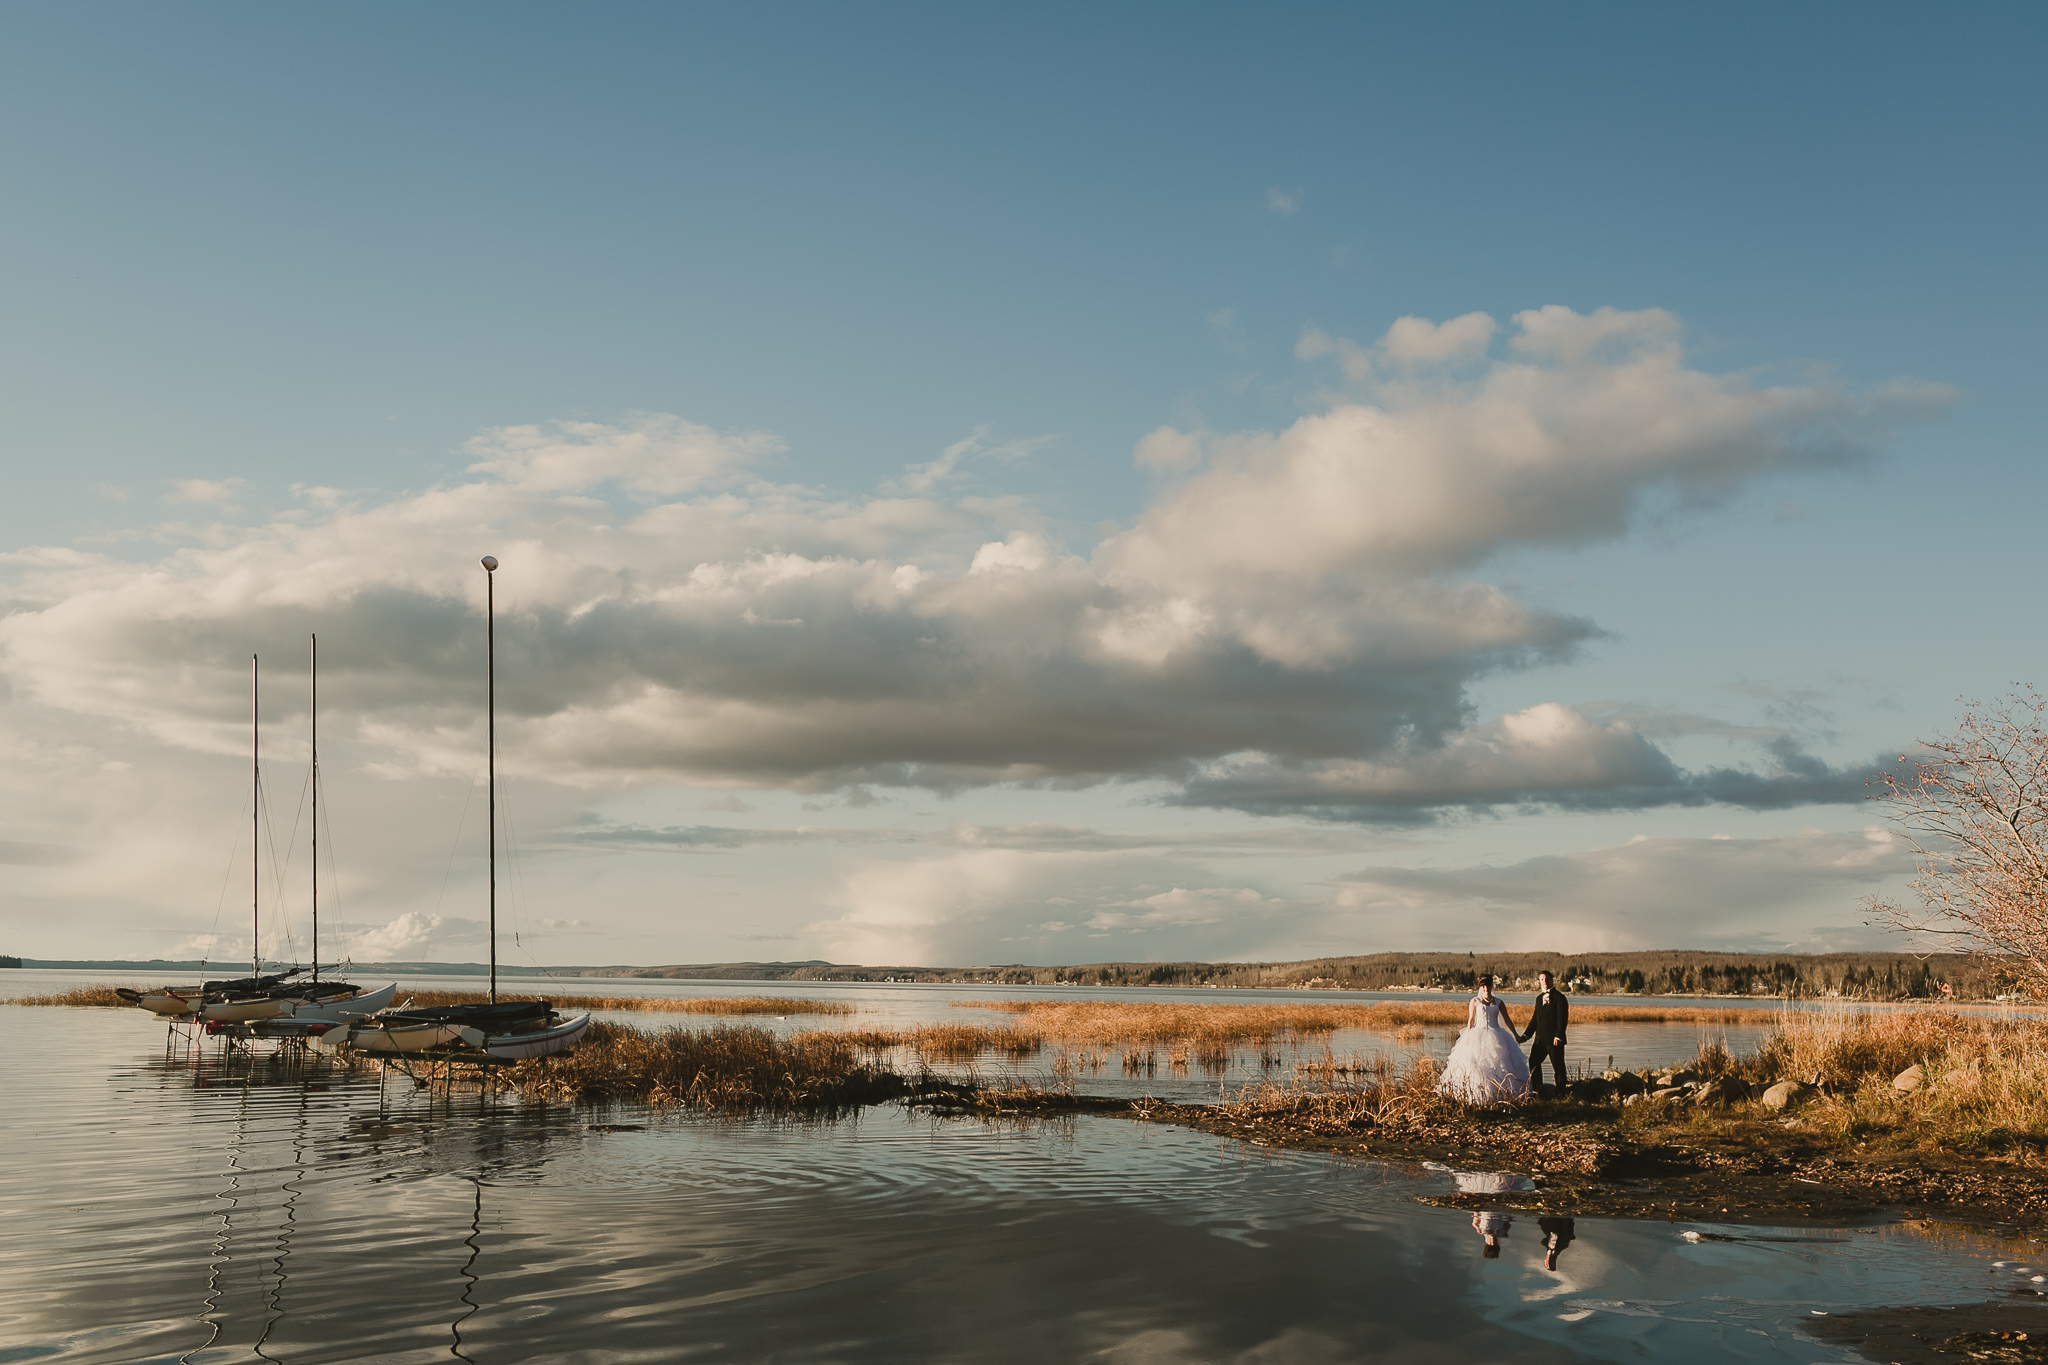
(1734, 1170)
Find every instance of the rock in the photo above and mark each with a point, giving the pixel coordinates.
(1786, 1094)
(1668, 1092)
(1631, 1084)
(1712, 1093)
(1610, 1075)
(1911, 1079)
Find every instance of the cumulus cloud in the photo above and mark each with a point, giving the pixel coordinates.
(414, 935)
(1014, 904)
(658, 454)
(1647, 893)
(1546, 755)
(1298, 606)
(219, 493)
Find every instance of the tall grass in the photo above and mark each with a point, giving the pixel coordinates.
(1380, 1092)
(80, 995)
(1985, 1077)
(737, 1068)
(1214, 1027)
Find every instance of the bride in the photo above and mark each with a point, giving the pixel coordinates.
(1486, 1065)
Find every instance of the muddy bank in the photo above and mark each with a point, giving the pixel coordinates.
(2002, 1332)
(1582, 1162)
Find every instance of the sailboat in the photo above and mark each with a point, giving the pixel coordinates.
(254, 996)
(510, 1030)
(260, 996)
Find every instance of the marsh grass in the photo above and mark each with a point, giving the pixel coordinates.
(81, 995)
(736, 1068)
(1379, 1092)
(1213, 1030)
(1986, 1076)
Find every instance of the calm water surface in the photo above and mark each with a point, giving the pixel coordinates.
(189, 1205)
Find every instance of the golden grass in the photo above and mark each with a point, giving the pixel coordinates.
(1208, 1028)
(80, 995)
(736, 1004)
(1986, 1082)
(737, 1068)
(1378, 1092)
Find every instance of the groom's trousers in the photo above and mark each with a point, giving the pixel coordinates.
(1555, 1052)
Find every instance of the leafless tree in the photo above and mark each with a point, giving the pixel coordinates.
(1973, 806)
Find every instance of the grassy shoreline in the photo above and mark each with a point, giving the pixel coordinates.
(1876, 1113)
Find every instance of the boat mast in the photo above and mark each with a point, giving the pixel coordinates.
(491, 729)
(313, 709)
(255, 821)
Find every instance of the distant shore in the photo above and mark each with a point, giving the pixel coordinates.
(1662, 972)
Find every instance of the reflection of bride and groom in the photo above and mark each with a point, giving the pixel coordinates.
(1487, 1066)
(1558, 1233)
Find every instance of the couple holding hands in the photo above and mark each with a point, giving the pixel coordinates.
(1487, 1065)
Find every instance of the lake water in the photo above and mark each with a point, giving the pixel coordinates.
(178, 1204)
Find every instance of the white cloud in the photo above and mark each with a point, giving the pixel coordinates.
(219, 493)
(983, 904)
(659, 454)
(1647, 893)
(1166, 451)
(1305, 596)
(1548, 754)
(1283, 202)
(414, 935)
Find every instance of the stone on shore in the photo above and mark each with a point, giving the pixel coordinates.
(1911, 1079)
(1786, 1094)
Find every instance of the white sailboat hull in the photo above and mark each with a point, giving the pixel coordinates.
(395, 1038)
(349, 1007)
(169, 1003)
(518, 1047)
(244, 1011)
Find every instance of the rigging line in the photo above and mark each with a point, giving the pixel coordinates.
(220, 906)
(468, 800)
(519, 899)
(283, 915)
(280, 868)
(333, 875)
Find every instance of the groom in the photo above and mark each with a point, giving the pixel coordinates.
(1547, 1024)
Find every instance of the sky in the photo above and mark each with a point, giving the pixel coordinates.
(1043, 485)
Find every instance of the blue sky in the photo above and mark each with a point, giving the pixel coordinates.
(283, 282)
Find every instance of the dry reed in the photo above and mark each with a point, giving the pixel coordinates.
(1984, 1079)
(965, 1042)
(80, 995)
(737, 1068)
(1380, 1093)
(1210, 1028)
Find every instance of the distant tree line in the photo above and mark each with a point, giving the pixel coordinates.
(1862, 976)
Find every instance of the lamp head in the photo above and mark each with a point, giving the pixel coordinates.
(490, 563)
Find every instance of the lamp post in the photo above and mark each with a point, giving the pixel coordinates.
(491, 729)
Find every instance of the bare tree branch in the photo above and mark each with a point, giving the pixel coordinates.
(1971, 807)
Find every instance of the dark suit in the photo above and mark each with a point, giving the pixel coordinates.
(1547, 1025)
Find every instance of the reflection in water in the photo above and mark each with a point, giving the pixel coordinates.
(314, 1215)
(1558, 1233)
(475, 1243)
(1492, 1227)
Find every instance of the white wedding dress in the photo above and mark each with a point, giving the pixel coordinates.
(1487, 1065)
